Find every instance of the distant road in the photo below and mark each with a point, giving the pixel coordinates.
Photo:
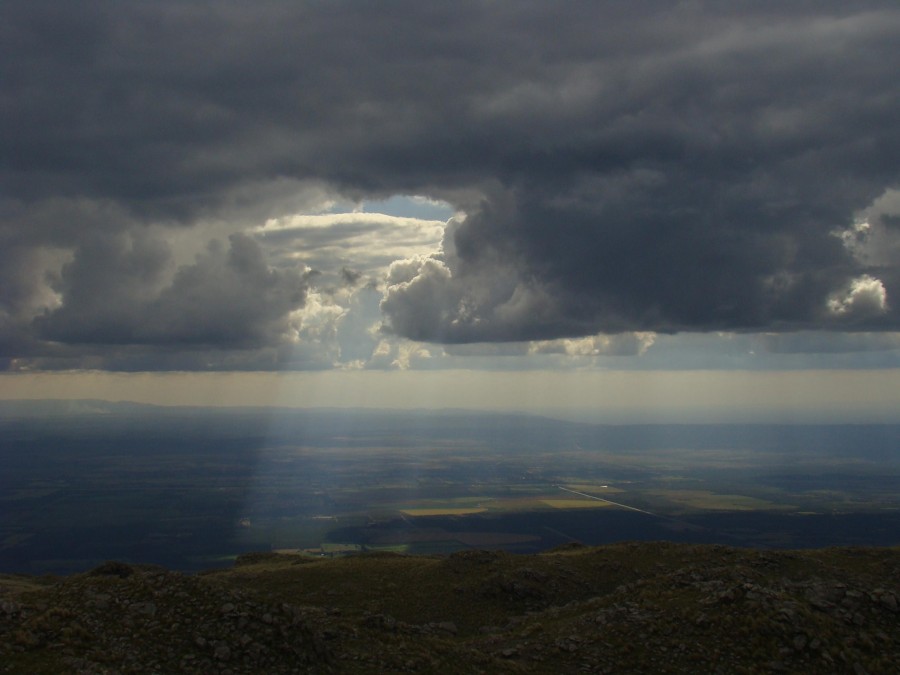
(608, 501)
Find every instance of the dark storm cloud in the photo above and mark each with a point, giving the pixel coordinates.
(350, 277)
(624, 166)
(111, 294)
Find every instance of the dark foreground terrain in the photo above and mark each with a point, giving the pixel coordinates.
(622, 608)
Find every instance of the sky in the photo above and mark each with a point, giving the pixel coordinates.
(635, 206)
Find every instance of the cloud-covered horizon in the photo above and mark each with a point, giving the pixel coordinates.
(181, 182)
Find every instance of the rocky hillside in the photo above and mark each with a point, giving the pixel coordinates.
(627, 608)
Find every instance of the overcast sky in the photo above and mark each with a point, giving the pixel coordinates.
(490, 186)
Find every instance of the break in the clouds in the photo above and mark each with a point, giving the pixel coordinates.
(361, 244)
(170, 173)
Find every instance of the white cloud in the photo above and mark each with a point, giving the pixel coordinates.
(864, 297)
(364, 242)
(622, 344)
(307, 221)
(418, 294)
(317, 320)
(874, 239)
(392, 354)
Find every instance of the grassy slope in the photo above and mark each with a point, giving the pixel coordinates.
(621, 608)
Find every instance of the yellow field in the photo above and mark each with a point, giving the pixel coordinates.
(701, 499)
(593, 488)
(576, 503)
(514, 504)
(449, 511)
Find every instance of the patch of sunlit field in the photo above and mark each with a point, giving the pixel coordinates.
(518, 504)
(599, 489)
(712, 501)
(441, 511)
(458, 506)
(515, 505)
(470, 505)
(576, 503)
(526, 488)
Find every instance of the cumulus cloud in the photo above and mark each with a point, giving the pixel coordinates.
(649, 167)
(874, 237)
(111, 293)
(863, 297)
(624, 344)
(400, 355)
(365, 242)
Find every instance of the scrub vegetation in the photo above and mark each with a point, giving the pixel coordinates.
(621, 608)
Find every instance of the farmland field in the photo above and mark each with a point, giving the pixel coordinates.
(192, 489)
